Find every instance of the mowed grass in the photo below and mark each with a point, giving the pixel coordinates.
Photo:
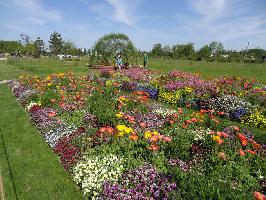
(210, 69)
(36, 170)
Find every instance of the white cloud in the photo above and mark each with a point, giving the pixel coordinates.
(28, 14)
(124, 11)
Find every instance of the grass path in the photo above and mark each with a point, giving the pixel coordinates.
(36, 170)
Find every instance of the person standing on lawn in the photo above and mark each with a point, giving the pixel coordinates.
(119, 61)
(145, 59)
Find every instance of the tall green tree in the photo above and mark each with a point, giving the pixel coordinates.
(40, 47)
(55, 43)
(157, 50)
(204, 53)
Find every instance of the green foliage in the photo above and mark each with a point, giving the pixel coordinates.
(39, 45)
(9, 46)
(55, 43)
(106, 48)
(102, 104)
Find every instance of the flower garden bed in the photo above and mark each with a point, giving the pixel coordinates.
(117, 135)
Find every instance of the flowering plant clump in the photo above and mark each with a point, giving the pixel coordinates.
(153, 92)
(256, 119)
(129, 86)
(21, 92)
(93, 171)
(43, 118)
(228, 104)
(68, 152)
(142, 183)
(164, 112)
(169, 97)
(137, 74)
(56, 133)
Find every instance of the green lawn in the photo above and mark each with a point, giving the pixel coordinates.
(210, 69)
(36, 170)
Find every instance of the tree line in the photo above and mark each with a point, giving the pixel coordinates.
(37, 48)
(212, 52)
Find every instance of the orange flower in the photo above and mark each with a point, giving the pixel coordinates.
(52, 114)
(252, 152)
(153, 147)
(222, 134)
(134, 137)
(154, 138)
(255, 145)
(102, 129)
(259, 196)
(243, 139)
(241, 152)
(220, 141)
(110, 130)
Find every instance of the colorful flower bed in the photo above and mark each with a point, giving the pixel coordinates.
(131, 135)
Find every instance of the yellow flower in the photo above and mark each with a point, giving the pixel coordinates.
(147, 134)
(48, 78)
(119, 115)
(216, 138)
(120, 127)
(109, 83)
(122, 98)
(120, 133)
(128, 130)
(49, 84)
(155, 133)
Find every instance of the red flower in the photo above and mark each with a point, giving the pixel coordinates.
(255, 145)
(241, 152)
(259, 196)
(153, 147)
(167, 138)
(252, 152)
(194, 119)
(142, 124)
(243, 139)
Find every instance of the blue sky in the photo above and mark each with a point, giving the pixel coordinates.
(233, 22)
